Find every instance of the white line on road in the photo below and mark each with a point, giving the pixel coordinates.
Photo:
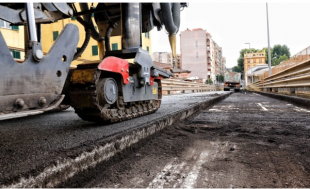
(301, 109)
(265, 109)
(256, 94)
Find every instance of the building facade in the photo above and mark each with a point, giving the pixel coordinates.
(200, 54)
(166, 57)
(223, 67)
(14, 39)
(251, 60)
(50, 33)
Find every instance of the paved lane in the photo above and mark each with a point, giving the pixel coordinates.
(29, 144)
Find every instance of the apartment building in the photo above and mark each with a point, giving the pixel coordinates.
(51, 32)
(200, 54)
(14, 38)
(250, 60)
(223, 67)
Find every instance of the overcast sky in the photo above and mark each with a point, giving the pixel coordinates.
(235, 22)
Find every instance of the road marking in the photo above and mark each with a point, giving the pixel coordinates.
(215, 110)
(191, 179)
(256, 94)
(173, 170)
(301, 109)
(265, 109)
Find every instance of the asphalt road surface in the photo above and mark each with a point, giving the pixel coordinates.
(246, 140)
(28, 145)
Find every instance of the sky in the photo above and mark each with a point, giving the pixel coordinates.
(236, 22)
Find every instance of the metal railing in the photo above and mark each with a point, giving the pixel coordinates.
(173, 86)
(289, 75)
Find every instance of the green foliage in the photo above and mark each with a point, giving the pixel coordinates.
(278, 54)
(277, 61)
(237, 69)
(220, 78)
(209, 81)
(280, 50)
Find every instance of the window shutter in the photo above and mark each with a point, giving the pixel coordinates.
(17, 54)
(95, 50)
(114, 46)
(55, 35)
(15, 28)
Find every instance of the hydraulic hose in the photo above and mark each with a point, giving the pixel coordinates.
(108, 33)
(86, 40)
(171, 19)
(94, 34)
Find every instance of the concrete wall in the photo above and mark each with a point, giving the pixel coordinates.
(194, 52)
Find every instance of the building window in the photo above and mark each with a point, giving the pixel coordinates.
(114, 46)
(94, 50)
(147, 35)
(55, 35)
(196, 54)
(254, 60)
(147, 48)
(248, 61)
(15, 54)
(260, 60)
(5, 24)
(15, 28)
(196, 43)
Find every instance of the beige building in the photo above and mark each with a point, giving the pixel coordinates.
(223, 66)
(14, 39)
(251, 60)
(200, 54)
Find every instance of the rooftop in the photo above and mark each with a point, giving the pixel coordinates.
(162, 65)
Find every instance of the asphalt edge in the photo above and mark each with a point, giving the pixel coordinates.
(56, 174)
(302, 102)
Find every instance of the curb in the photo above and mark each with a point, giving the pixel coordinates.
(303, 102)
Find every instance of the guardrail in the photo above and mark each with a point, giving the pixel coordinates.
(292, 75)
(174, 86)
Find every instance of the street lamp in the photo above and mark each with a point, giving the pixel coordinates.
(250, 60)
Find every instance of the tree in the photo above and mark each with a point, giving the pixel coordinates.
(277, 61)
(237, 69)
(220, 78)
(280, 50)
(276, 52)
(209, 81)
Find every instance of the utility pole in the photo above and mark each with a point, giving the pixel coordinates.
(269, 56)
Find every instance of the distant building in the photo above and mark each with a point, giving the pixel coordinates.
(166, 57)
(251, 60)
(200, 54)
(223, 66)
(179, 73)
(163, 65)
